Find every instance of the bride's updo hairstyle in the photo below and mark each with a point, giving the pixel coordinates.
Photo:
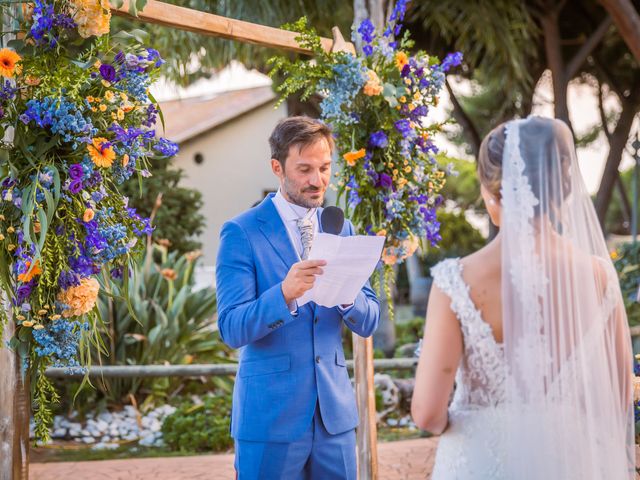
(546, 147)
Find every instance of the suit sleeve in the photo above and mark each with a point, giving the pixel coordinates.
(362, 317)
(243, 317)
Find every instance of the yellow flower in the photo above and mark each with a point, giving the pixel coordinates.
(407, 169)
(38, 326)
(120, 114)
(21, 317)
(614, 254)
(373, 86)
(124, 97)
(98, 64)
(28, 275)
(37, 227)
(90, 99)
(11, 247)
(105, 83)
(55, 317)
(92, 17)
(94, 109)
(110, 96)
(42, 312)
(351, 157)
(2, 217)
(101, 152)
(88, 215)
(79, 299)
(382, 233)
(401, 60)
(125, 160)
(8, 63)
(27, 324)
(401, 182)
(402, 99)
(103, 107)
(11, 230)
(1, 237)
(169, 273)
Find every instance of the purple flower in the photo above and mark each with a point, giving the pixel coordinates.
(24, 118)
(76, 171)
(166, 147)
(75, 186)
(23, 291)
(406, 70)
(68, 279)
(378, 139)
(404, 127)
(451, 60)
(384, 181)
(108, 72)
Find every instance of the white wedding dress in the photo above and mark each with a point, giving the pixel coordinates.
(472, 447)
(554, 400)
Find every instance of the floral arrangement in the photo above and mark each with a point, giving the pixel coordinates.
(78, 120)
(377, 103)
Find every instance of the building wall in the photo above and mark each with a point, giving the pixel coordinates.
(235, 170)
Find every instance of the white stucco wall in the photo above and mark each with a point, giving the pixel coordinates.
(235, 171)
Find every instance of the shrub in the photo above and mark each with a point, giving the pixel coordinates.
(202, 427)
(627, 263)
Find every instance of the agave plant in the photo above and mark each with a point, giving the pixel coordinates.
(167, 321)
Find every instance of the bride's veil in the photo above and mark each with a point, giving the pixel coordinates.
(566, 338)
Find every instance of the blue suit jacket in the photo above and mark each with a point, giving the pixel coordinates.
(287, 363)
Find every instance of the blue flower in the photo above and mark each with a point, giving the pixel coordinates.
(108, 72)
(378, 139)
(348, 78)
(166, 147)
(404, 127)
(451, 60)
(58, 341)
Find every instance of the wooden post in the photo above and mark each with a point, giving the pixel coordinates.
(14, 414)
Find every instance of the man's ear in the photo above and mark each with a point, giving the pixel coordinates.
(276, 168)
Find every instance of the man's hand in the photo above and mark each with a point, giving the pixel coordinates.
(300, 278)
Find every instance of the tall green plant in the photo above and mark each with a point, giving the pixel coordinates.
(167, 322)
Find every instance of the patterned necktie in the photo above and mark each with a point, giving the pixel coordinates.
(305, 225)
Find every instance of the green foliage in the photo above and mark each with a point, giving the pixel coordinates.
(409, 332)
(202, 427)
(616, 222)
(627, 263)
(463, 188)
(459, 238)
(177, 203)
(167, 321)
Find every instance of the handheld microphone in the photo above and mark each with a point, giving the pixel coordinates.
(332, 220)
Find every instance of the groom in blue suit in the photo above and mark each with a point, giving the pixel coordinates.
(294, 412)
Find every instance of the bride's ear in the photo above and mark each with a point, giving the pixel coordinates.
(493, 205)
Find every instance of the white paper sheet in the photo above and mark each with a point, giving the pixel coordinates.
(350, 263)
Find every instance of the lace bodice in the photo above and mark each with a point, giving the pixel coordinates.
(481, 373)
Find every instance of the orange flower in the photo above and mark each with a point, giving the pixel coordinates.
(101, 152)
(88, 215)
(8, 62)
(372, 87)
(388, 257)
(169, 273)
(79, 299)
(28, 275)
(401, 60)
(351, 157)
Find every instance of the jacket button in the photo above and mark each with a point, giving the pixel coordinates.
(318, 359)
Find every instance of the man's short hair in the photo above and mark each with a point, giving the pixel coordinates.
(301, 131)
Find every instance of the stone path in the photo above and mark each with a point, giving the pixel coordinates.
(402, 460)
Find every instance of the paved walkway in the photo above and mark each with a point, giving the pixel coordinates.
(403, 460)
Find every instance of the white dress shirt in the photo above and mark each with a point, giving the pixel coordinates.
(289, 213)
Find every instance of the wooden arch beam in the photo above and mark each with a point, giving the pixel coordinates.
(161, 13)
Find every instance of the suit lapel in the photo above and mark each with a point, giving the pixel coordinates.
(275, 232)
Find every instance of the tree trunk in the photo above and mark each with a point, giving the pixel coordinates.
(553, 51)
(618, 142)
(627, 20)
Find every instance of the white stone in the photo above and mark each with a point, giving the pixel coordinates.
(88, 440)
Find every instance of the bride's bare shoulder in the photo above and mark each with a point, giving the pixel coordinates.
(483, 262)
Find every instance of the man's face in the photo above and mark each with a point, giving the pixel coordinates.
(306, 174)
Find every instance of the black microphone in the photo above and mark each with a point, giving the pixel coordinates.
(332, 220)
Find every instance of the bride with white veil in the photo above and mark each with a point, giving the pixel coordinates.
(531, 328)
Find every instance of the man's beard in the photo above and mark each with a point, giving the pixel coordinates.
(296, 197)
